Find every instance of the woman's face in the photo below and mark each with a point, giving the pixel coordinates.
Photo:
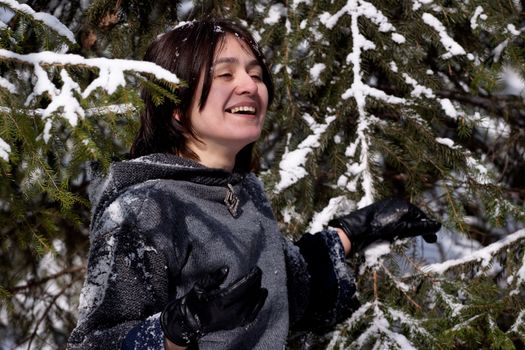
(234, 112)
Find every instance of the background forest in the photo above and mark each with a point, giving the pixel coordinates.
(422, 99)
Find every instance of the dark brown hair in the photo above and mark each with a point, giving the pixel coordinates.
(187, 51)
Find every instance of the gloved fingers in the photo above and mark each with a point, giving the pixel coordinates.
(174, 306)
(432, 226)
(424, 227)
(430, 238)
(255, 306)
(393, 210)
(243, 287)
(416, 213)
(244, 311)
(212, 280)
(242, 300)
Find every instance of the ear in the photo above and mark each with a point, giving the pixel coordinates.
(176, 115)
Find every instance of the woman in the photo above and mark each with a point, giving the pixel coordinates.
(185, 250)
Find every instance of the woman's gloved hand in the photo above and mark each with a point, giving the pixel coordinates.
(388, 220)
(207, 307)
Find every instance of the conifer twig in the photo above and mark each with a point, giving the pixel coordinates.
(376, 293)
(46, 311)
(454, 210)
(399, 283)
(34, 283)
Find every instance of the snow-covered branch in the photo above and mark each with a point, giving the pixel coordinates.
(122, 108)
(383, 332)
(47, 19)
(520, 322)
(111, 70)
(291, 167)
(68, 113)
(483, 256)
(359, 90)
(65, 98)
(5, 149)
(478, 14)
(336, 206)
(451, 46)
(452, 303)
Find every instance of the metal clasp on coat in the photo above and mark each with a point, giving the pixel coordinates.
(231, 200)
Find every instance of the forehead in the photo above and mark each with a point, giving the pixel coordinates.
(232, 44)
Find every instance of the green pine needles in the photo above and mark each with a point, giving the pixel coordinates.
(421, 99)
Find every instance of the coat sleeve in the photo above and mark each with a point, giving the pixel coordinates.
(128, 275)
(321, 287)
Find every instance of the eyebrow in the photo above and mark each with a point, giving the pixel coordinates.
(234, 60)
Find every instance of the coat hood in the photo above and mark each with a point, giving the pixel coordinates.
(103, 190)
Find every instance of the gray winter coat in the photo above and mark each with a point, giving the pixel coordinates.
(161, 222)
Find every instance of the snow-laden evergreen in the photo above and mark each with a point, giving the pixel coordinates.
(421, 99)
(68, 96)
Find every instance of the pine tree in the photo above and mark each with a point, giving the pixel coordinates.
(415, 98)
(59, 112)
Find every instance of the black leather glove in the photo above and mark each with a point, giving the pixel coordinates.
(207, 307)
(388, 220)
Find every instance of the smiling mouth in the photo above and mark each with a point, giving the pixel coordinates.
(242, 110)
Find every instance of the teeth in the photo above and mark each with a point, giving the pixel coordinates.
(242, 109)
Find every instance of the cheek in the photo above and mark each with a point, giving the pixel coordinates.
(264, 96)
(218, 96)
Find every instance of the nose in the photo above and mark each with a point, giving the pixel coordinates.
(246, 84)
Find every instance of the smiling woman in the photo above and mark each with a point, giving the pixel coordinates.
(191, 51)
(233, 114)
(185, 250)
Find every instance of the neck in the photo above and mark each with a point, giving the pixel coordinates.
(214, 157)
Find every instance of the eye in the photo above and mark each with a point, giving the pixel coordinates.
(256, 74)
(225, 75)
